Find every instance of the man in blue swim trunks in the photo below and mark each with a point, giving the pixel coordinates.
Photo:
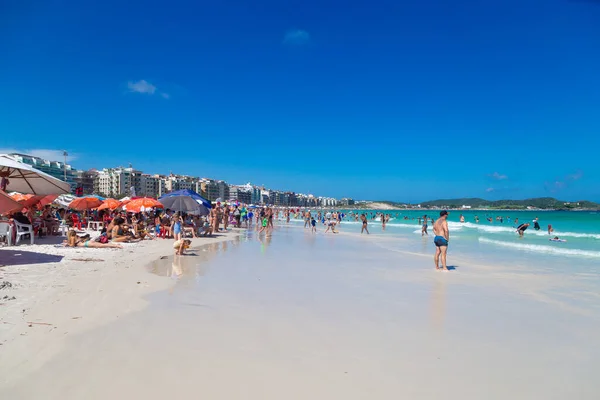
(442, 236)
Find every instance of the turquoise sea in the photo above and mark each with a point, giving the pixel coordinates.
(497, 242)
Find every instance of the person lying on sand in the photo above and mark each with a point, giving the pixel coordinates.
(75, 241)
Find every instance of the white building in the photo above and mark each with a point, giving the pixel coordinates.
(115, 182)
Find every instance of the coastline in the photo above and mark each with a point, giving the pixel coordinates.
(60, 292)
(299, 315)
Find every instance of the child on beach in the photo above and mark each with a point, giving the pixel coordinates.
(313, 223)
(177, 227)
(181, 245)
(265, 226)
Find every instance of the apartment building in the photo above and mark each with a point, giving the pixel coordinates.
(57, 169)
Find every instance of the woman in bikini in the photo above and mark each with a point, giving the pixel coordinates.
(363, 218)
(119, 233)
(74, 241)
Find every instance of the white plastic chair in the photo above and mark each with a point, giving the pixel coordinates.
(22, 230)
(6, 231)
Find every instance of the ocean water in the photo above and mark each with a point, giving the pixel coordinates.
(498, 242)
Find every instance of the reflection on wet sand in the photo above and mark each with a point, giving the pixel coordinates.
(191, 265)
(265, 241)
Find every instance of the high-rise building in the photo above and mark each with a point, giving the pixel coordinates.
(85, 180)
(213, 190)
(118, 182)
(57, 169)
(240, 193)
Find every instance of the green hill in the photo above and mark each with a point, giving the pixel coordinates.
(539, 202)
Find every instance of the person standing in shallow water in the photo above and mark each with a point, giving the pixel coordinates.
(424, 227)
(363, 218)
(442, 236)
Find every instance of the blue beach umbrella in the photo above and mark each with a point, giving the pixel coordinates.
(184, 204)
(189, 193)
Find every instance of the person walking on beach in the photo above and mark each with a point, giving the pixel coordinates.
(442, 236)
(383, 221)
(313, 223)
(214, 214)
(424, 227)
(363, 218)
(330, 225)
(264, 226)
(270, 214)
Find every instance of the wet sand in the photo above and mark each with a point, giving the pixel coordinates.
(299, 316)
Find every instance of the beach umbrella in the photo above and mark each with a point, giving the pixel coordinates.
(142, 204)
(30, 200)
(97, 196)
(110, 204)
(64, 200)
(8, 204)
(190, 193)
(85, 203)
(23, 178)
(185, 204)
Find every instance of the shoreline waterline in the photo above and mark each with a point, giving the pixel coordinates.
(301, 315)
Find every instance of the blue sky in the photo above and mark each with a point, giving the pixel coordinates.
(396, 100)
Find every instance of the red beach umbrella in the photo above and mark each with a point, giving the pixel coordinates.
(110, 204)
(8, 204)
(85, 203)
(142, 203)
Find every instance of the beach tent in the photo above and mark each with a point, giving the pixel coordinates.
(23, 178)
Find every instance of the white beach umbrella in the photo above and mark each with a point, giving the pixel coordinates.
(23, 178)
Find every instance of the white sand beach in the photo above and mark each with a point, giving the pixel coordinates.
(294, 316)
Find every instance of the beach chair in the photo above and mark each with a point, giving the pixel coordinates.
(76, 222)
(22, 230)
(6, 231)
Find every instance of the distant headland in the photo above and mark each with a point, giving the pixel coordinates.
(538, 203)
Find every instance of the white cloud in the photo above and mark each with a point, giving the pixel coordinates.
(46, 154)
(141, 87)
(489, 190)
(498, 176)
(296, 37)
(165, 95)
